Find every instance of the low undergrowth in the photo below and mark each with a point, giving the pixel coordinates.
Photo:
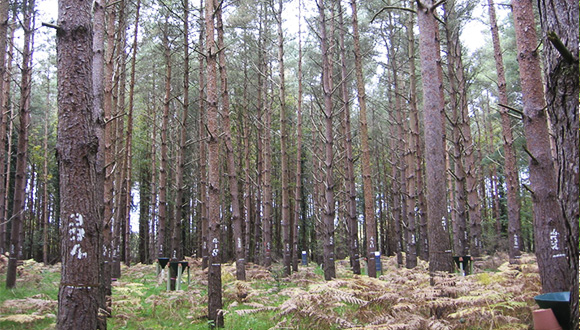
(400, 299)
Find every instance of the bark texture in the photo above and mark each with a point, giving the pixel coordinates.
(215, 314)
(434, 107)
(560, 22)
(77, 148)
(369, 198)
(549, 225)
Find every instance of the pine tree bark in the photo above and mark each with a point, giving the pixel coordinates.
(215, 314)
(179, 205)
(162, 250)
(369, 199)
(510, 169)
(230, 153)
(560, 22)
(5, 63)
(549, 224)
(352, 221)
(458, 181)
(434, 107)
(98, 115)
(129, 142)
(329, 207)
(287, 249)
(45, 175)
(77, 148)
(18, 207)
(266, 149)
(109, 157)
(202, 145)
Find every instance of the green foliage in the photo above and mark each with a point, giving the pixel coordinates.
(399, 299)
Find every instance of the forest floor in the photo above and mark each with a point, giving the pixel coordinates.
(497, 296)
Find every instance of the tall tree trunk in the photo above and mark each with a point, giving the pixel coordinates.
(510, 168)
(329, 209)
(266, 148)
(162, 250)
(5, 64)
(129, 142)
(549, 224)
(203, 205)
(98, 116)
(434, 107)
(352, 221)
(369, 198)
(215, 314)
(231, 162)
(18, 207)
(179, 206)
(560, 22)
(121, 192)
(77, 148)
(45, 175)
(286, 220)
(298, 184)
(109, 158)
(459, 200)
(414, 163)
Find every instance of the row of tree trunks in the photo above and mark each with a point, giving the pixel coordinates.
(5, 68)
(230, 153)
(369, 198)
(511, 173)
(18, 208)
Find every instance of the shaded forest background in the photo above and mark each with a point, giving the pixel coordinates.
(255, 131)
(251, 39)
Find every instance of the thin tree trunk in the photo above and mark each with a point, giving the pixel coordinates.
(109, 158)
(129, 142)
(286, 219)
(329, 205)
(5, 65)
(352, 221)
(45, 175)
(415, 170)
(202, 145)
(434, 104)
(77, 149)
(298, 184)
(215, 315)
(549, 224)
(18, 207)
(162, 250)
(560, 21)
(179, 205)
(369, 198)
(98, 116)
(231, 166)
(267, 152)
(510, 169)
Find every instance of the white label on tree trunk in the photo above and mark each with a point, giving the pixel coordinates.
(371, 242)
(444, 224)
(239, 243)
(554, 243)
(331, 240)
(215, 250)
(77, 234)
(412, 238)
(516, 242)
